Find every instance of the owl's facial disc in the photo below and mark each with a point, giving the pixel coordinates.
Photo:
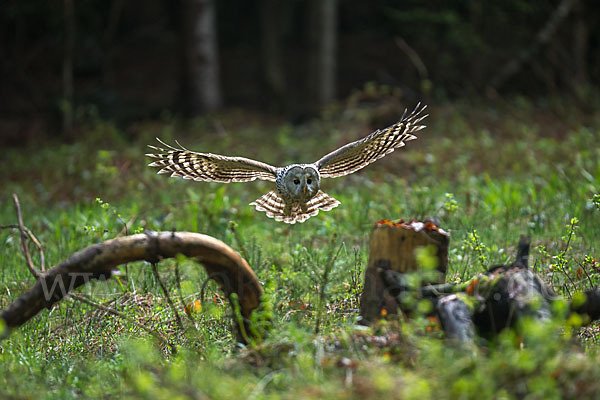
(302, 182)
(312, 182)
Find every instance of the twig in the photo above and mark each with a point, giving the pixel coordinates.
(24, 244)
(125, 229)
(542, 37)
(571, 231)
(203, 288)
(33, 239)
(413, 56)
(126, 232)
(582, 266)
(238, 239)
(562, 257)
(167, 296)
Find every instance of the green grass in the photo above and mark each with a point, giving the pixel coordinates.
(490, 174)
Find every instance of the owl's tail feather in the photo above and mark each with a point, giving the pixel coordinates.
(274, 206)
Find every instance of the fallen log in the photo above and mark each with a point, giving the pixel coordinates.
(222, 263)
(492, 301)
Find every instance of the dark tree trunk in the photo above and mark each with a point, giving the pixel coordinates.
(200, 83)
(580, 46)
(67, 67)
(271, 51)
(322, 51)
(112, 24)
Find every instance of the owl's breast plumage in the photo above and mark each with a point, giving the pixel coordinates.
(281, 186)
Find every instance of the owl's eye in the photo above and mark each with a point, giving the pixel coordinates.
(297, 181)
(309, 181)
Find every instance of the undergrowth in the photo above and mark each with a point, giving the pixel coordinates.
(489, 175)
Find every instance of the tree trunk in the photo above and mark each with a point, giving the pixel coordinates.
(67, 67)
(271, 47)
(580, 46)
(201, 65)
(392, 247)
(110, 32)
(322, 51)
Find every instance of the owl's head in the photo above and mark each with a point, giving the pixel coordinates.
(302, 181)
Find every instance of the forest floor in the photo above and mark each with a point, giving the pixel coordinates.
(490, 173)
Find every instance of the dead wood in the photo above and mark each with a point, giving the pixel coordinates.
(392, 247)
(25, 232)
(98, 261)
(588, 306)
(491, 301)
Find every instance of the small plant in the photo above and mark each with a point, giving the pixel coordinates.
(106, 225)
(322, 276)
(596, 200)
(560, 267)
(450, 205)
(476, 245)
(571, 227)
(356, 277)
(261, 320)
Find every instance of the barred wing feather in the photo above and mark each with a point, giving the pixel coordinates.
(356, 155)
(209, 167)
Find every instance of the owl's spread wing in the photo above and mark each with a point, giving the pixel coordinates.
(209, 167)
(356, 155)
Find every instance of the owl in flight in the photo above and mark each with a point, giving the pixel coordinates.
(297, 195)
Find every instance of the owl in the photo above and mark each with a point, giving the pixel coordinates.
(297, 195)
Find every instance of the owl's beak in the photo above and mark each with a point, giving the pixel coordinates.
(304, 189)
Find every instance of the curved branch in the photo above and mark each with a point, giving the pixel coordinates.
(221, 262)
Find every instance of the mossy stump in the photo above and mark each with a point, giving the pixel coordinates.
(393, 246)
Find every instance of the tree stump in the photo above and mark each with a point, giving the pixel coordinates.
(393, 247)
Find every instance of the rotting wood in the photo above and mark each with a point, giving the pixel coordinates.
(98, 261)
(494, 300)
(392, 247)
(37, 273)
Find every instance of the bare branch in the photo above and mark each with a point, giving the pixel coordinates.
(523, 57)
(77, 297)
(413, 56)
(34, 239)
(24, 244)
(221, 262)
